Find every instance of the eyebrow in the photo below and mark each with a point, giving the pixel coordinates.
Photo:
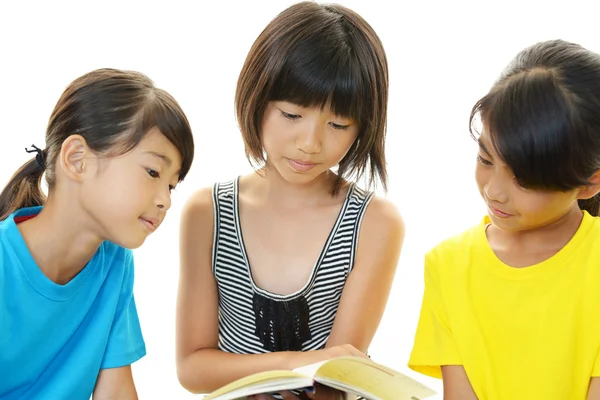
(163, 157)
(166, 159)
(482, 146)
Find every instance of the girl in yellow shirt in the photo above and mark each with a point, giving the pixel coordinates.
(511, 308)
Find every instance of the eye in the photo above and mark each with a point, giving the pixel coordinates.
(483, 160)
(171, 188)
(152, 173)
(338, 126)
(289, 116)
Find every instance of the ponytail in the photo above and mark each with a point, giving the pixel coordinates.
(591, 205)
(24, 188)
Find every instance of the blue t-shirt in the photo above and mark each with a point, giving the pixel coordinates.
(55, 339)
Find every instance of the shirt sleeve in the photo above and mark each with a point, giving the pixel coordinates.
(433, 345)
(596, 369)
(125, 342)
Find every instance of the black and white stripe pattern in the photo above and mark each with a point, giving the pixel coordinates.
(236, 287)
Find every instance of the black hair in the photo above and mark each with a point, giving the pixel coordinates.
(543, 117)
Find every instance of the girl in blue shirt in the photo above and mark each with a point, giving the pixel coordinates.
(115, 148)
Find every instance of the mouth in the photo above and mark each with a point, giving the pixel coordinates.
(499, 213)
(149, 223)
(301, 166)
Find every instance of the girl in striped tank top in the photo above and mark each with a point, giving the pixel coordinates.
(293, 264)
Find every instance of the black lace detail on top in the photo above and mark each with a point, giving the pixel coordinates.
(281, 325)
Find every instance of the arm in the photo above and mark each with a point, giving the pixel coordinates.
(125, 344)
(115, 384)
(456, 383)
(368, 286)
(594, 389)
(201, 367)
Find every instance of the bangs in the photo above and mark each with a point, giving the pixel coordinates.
(318, 76)
(529, 120)
(161, 111)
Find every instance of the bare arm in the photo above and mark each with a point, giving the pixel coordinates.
(456, 383)
(594, 389)
(115, 384)
(201, 367)
(368, 286)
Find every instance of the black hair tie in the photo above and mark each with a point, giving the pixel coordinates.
(40, 156)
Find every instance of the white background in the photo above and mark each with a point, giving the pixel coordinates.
(442, 56)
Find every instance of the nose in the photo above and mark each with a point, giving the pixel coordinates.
(310, 140)
(163, 200)
(496, 189)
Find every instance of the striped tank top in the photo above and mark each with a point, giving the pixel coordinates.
(253, 320)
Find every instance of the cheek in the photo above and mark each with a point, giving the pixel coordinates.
(273, 135)
(480, 177)
(122, 188)
(340, 144)
(537, 206)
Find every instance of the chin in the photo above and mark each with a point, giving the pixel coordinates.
(131, 242)
(507, 224)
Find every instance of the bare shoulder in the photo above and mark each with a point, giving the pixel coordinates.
(198, 209)
(200, 202)
(196, 224)
(381, 236)
(382, 218)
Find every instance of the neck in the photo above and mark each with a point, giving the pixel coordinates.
(58, 240)
(275, 190)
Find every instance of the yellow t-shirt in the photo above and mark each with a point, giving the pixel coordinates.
(520, 333)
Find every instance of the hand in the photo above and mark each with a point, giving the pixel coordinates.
(302, 358)
(344, 350)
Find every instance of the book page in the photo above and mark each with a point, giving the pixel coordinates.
(263, 382)
(370, 380)
(310, 370)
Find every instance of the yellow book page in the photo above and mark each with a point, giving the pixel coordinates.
(369, 379)
(269, 380)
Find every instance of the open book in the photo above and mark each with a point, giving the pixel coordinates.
(353, 375)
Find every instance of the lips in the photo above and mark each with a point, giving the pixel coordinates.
(150, 223)
(499, 213)
(301, 166)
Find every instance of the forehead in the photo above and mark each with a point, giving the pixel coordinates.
(484, 142)
(155, 142)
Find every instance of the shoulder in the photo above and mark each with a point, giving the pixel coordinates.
(108, 252)
(116, 262)
(382, 218)
(199, 202)
(381, 235)
(594, 223)
(452, 254)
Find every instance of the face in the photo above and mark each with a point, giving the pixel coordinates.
(129, 195)
(510, 206)
(302, 143)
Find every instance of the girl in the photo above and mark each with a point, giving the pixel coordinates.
(293, 264)
(511, 307)
(115, 148)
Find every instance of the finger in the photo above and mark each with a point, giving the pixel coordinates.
(358, 353)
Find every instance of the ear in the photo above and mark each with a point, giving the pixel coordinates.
(74, 156)
(592, 188)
